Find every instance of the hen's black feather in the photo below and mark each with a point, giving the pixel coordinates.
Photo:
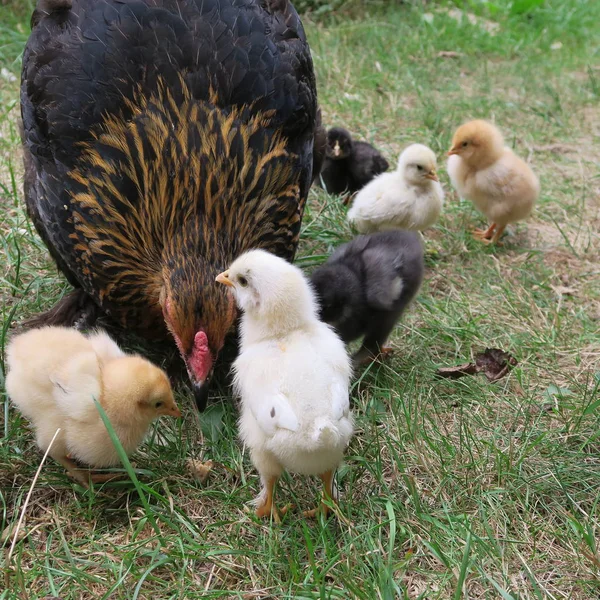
(162, 138)
(366, 284)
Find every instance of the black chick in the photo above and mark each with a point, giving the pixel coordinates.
(349, 164)
(366, 285)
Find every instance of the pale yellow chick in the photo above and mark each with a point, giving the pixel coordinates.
(54, 375)
(483, 170)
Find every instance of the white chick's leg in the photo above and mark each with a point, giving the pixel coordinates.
(269, 471)
(328, 494)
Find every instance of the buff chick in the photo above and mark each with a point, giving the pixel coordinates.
(292, 374)
(410, 197)
(54, 375)
(483, 170)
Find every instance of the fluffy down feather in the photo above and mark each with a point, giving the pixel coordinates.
(500, 184)
(410, 197)
(292, 373)
(54, 375)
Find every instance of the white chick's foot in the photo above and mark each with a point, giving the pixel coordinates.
(266, 506)
(328, 494)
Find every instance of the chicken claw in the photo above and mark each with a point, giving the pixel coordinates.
(268, 508)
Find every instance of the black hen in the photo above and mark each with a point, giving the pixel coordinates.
(366, 285)
(163, 138)
(349, 164)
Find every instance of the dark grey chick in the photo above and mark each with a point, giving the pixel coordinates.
(349, 165)
(366, 284)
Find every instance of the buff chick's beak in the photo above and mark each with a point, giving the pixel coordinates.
(224, 279)
(432, 175)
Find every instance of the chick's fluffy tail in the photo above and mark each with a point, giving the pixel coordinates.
(325, 432)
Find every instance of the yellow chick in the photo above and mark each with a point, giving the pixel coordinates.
(54, 374)
(499, 183)
(292, 374)
(410, 197)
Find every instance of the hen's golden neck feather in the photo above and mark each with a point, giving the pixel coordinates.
(182, 188)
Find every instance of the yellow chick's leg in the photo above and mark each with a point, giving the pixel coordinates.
(499, 232)
(267, 506)
(484, 234)
(82, 476)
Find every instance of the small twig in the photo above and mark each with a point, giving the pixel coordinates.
(18, 527)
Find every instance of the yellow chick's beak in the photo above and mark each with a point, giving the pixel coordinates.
(432, 175)
(224, 279)
(452, 151)
(174, 412)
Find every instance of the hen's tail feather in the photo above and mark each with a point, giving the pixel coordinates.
(76, 309)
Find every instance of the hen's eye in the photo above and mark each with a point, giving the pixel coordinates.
(158, 404)
(242, 281)
(465, 144)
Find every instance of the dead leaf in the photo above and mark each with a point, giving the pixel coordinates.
(199, 470)
(456, 372)
(449, 54)
(555, 148)
(562, 290)
(8, 533)
(492, 362)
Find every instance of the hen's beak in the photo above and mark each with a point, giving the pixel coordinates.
(200, 390)
(452, 151)
(224, 279)
(336, 149)
(432, 175)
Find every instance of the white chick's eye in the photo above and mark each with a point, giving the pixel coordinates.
(242, 280)
(419, 167)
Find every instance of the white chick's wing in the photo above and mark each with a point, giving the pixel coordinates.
(340, 400)
(274, 412)
(76, 386)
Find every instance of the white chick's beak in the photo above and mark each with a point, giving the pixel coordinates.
(224, 279)
(432, 175)
(336, 149)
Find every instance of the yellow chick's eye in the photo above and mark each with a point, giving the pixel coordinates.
(158, 404)
(242, 280)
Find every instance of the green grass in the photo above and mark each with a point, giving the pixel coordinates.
(455, 489)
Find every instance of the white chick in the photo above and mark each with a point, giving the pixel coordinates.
(410, 197)
(492, 176)
(54, 375)
(292, 375)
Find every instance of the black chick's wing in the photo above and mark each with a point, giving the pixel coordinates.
(366, 163)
